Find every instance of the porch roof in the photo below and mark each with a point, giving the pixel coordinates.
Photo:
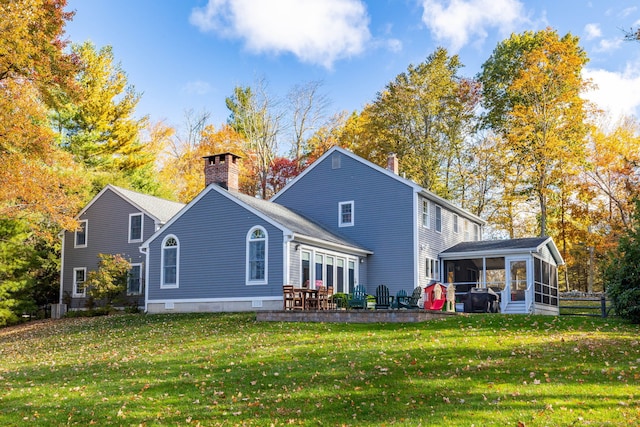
(503, 247)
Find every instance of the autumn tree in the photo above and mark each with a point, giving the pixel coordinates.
(182, 165)
(36, 180)
(99, 127)
(308, 114)
(257, 117)
(531, 92)
(423, 118)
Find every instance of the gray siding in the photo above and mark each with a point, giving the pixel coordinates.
(432, 242)
(383, 213)
(212, 237)
(107, 233)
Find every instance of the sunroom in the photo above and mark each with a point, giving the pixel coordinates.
(523, 272)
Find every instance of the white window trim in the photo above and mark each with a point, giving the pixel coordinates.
(86, 235)
(74, 292)
(426, 213)
(336, 256)
(265, 280)
(353, 214)
(435, 226)
(141, 215)
(456, 223)
(138, 264)
(163, 285)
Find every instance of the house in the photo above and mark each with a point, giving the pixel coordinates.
(115, 221)
(342, 222)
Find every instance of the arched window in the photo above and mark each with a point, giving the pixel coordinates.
(170, 262)
(257, 256)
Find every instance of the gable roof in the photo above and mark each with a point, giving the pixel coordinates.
(290, 222)
(495, 247)
(161, 210)
(417, 188)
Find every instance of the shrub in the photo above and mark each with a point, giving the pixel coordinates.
(109, 281)
(622, 273)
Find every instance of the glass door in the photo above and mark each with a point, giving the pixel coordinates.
(517, 277)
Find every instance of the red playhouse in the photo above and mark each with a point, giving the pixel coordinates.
(434, 298)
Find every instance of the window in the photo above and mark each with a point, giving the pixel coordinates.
(438, 219)
(456, 228)
(426, 215)
(134, 280)
(476, 232)
(467, 232)
(306, 269)
(79, 277)
(257, 256)
(135, 227)
(345, 214)
(325, 268)
(319, 270)
(432, 269)
(80, 240)
(170, 266)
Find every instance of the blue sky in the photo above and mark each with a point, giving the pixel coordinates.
(184, 54)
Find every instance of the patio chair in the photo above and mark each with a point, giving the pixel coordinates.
(412, 300)
(383, 299)
(401, 300)
(358, 298)
(292, 298)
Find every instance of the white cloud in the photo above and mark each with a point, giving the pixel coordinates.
(592, 31)
(459, 21)
(315, 31)
(608, 45)
(617, 93)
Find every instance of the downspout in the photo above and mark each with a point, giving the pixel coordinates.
(416, 249)
(61, 268)
(145, 252)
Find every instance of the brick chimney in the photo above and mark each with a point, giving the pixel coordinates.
(223, 170)
(392, 163)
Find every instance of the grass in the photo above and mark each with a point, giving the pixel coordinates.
(229, 370)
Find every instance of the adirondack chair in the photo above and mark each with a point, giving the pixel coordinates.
(401, 300)
(358, 298)
(412, 300)
(383, 299)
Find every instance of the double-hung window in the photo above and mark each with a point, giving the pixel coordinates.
(170, 262)
(432, 269)
(80, 237)
(438, 219)
(346, 214)
(79, 277)
(257, 256)
(135, 227)
(134, 280)
(426, 214)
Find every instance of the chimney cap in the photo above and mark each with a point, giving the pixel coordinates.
(234, 155)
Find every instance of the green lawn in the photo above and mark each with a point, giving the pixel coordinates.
(227, 370)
